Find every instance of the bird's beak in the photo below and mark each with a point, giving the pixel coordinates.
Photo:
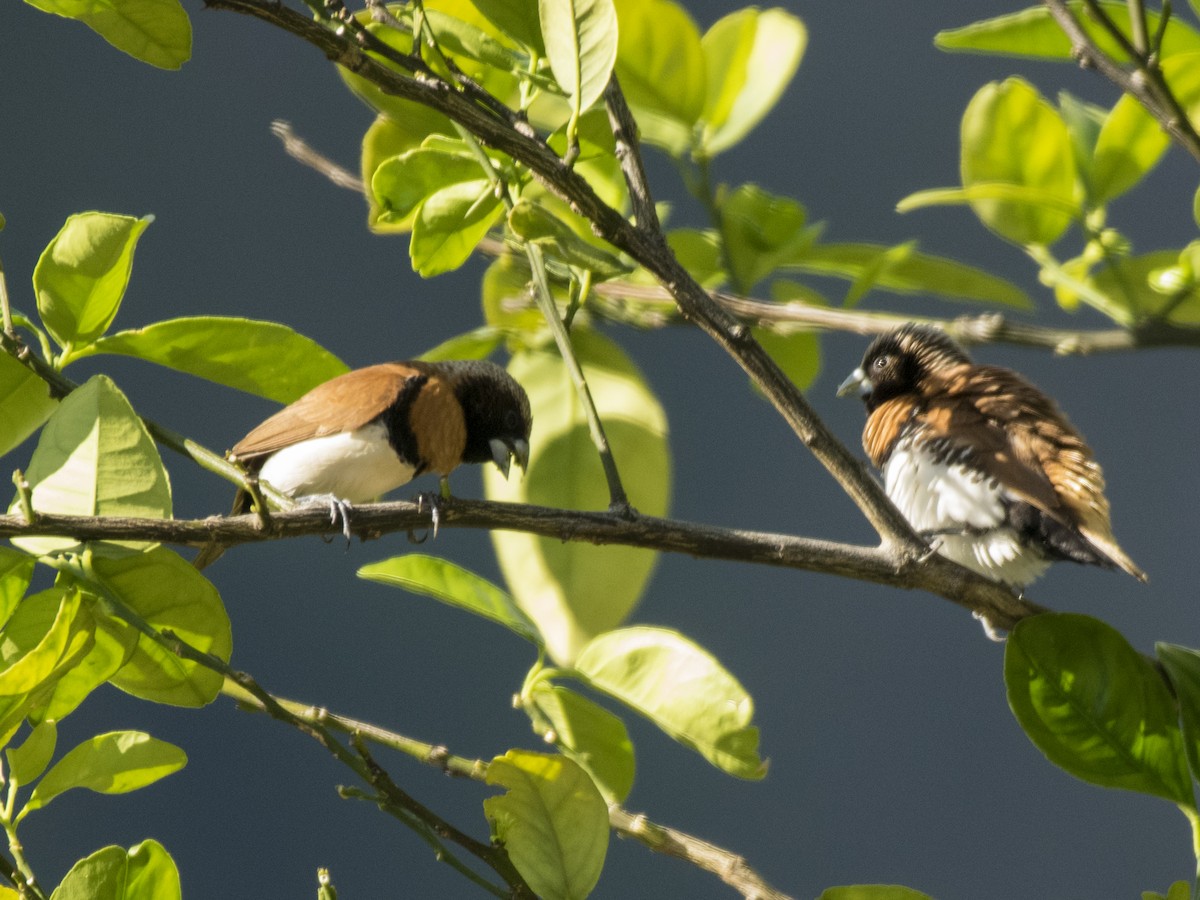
(857, 380)
(503, 454)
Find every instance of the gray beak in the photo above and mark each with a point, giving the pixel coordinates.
(503, 453)
(857, 380)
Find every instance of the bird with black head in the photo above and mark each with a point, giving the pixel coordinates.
(980, 462)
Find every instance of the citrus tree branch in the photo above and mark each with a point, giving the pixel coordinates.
(880, 565)
(1144, 81)
(730, 867)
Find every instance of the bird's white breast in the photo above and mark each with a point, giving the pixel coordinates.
(966, 507)
(356, 466)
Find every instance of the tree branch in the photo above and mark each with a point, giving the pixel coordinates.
(879, 565)
(730, 867)
(1144, 83)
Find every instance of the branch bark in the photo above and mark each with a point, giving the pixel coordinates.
(879, 565)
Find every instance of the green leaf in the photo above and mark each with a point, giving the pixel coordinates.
(16, 571)
(113, 763)
(81, 276)
(915, 273)
(27, 762)
(573, 591)
(95, 458)
(1183, 668)
(660, 63)
(47, 628)
(552, 822)
(261, 358)
(1130, 144)
(872, 892)
(532, 223)
(1034, 32)
(450, 224)
(1196, 207)
(451, 584)
(146, 872)
(1084, 122)
(1136, 283)
(516, 18)
(157, 32)
(682, 689)
(401, 184)
(589, 734)
(112, 645)
(759, 231)
(163, 588)
(580, 37)
(1095, 706)
(750, 57)
(1010, 135)
(798, 353)
(507, 302)
(699, 251)
(25, 403)
(479, 343)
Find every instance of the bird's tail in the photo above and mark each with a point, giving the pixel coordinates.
(1107, 545)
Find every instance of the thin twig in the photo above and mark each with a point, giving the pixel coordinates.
(1144, 83)
(654, 306)
(730, 867)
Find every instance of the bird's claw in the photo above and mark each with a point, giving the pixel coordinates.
(434, 500)
(993, 633)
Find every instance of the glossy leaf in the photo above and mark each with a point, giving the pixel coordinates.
(516, 18)
(401, 184)
(28, 761)
(25, 403)
(507, 301)
(1011, 136)
(750, 57)
(113, 763)
(479, 343)
(46, 628)
(798, 353)
(699, 251)
(95, 458)
(572, 590)
(163, 588)
(261, 358)
(1137, 283)
(915, 273)
(680, 687)
(1183, 668)
(580, 37)
(1095, 706)
(16, 571)
(451, 584)
(81, 276)
(533, 223)
(146, 872)
(1034, 32)
(872, 892)
(552, 821)
(1130, 144)
(450, 224)
(660, 63)
(589, 734)
(157, 32)
(111, 646)
(759, 231)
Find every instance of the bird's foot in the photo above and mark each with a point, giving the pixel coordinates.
(433, 500)
(339, 510)
(993, 633)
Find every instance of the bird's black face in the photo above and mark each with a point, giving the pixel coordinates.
(898, 362)
(498, 417)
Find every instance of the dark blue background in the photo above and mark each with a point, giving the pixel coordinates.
(894, 757)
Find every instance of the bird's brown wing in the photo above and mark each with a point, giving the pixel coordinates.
(345, 403)
(1018, 435)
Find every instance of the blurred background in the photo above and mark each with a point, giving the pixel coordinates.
(894, 757)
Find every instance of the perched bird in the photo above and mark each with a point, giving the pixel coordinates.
(371, 430)
(981, 462)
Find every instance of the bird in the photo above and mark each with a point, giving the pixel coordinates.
(371, 430)
(981, 462)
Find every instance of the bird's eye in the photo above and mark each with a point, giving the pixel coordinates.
(881, 362)
(511, 420)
